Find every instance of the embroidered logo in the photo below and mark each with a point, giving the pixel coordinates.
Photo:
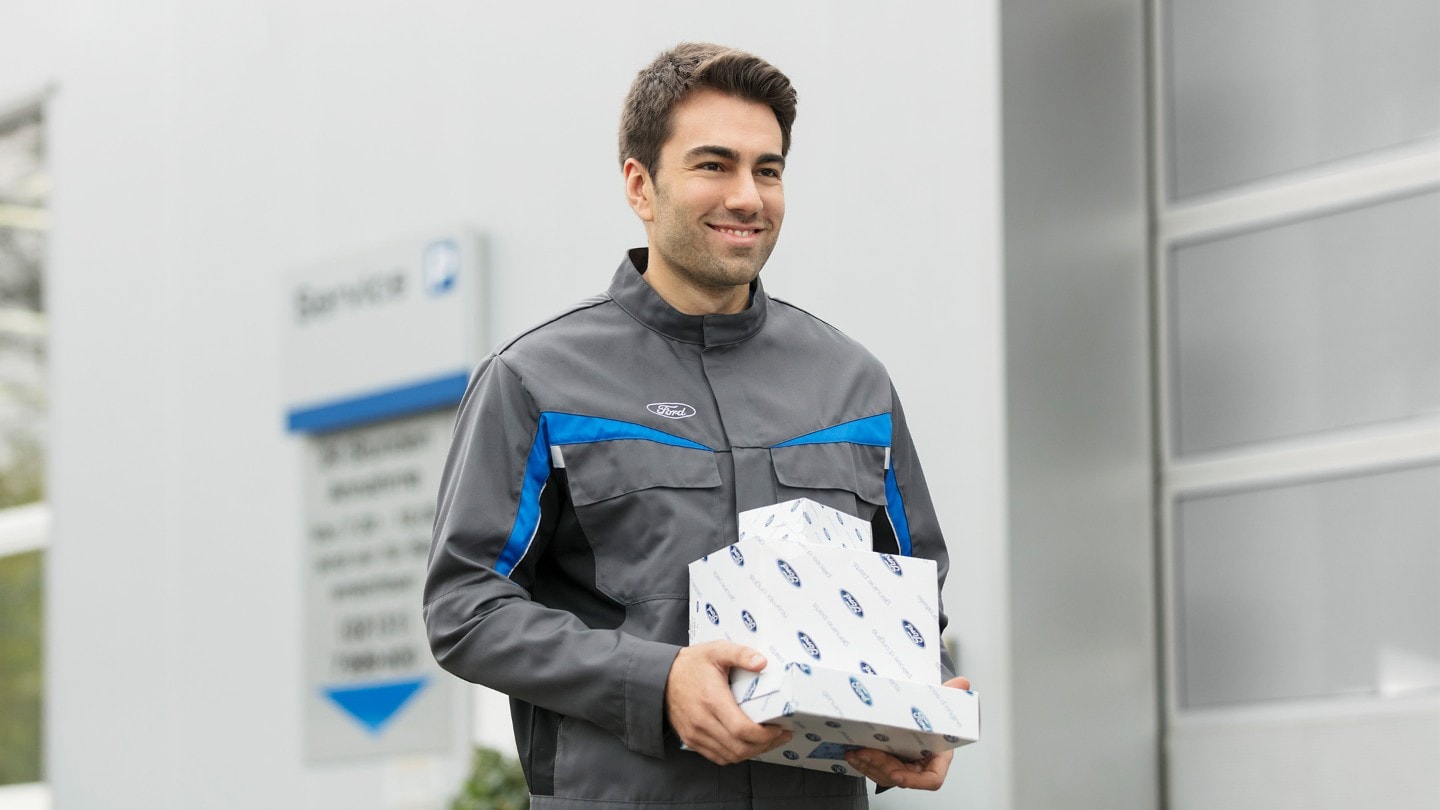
(671, 410)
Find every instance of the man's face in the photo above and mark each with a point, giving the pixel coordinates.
(714, 209)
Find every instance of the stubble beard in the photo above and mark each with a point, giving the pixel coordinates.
(685, 250)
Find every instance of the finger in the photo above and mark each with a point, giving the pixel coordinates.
(887, 771)
(960, 682)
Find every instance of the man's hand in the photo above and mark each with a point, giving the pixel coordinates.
(704, 713)
(887, 771)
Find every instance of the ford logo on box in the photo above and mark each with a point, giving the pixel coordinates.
(809, 644)
(748, 620)
(892, 564)
(788, 572)
(712, 614)
(736, 556)
(866, 668)
(861, 692)
(920, 719)
(852, 603)
(914, 633)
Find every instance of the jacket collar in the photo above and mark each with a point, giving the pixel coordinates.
(634, 295)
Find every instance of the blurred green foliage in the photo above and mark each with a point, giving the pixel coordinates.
(21, 673)
(495, 783)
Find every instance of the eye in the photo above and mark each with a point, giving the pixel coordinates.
(769, 172)
(711, 166)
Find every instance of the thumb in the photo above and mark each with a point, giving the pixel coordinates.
(738, 655)
(961, 682)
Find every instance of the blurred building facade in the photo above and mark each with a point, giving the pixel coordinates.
(1158, 281)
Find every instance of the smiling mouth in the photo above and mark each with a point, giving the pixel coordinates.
(741, 232)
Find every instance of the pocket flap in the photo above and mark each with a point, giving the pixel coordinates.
(598, 471)
(857, 468)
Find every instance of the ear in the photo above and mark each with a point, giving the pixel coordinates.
(639, 189)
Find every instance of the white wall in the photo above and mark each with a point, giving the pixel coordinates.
(201, 151)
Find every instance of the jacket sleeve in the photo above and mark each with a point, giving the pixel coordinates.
(912, 514)
(494, 516)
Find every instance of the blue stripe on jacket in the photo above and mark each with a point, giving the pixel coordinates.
(557, 428)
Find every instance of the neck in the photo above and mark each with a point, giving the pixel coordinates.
(690, 298)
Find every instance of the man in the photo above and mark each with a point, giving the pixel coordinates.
(597, 454)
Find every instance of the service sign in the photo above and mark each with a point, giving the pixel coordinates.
(384, 333)
(371, 683)
(379, 348)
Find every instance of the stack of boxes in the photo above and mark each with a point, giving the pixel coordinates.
(851, 636)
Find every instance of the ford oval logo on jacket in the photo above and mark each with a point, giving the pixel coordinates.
(671, 410)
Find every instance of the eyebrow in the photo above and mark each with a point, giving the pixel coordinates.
(729, 154)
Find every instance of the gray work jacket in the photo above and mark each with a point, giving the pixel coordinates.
(596, 455)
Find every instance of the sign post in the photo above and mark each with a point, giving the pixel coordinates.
(380, 348)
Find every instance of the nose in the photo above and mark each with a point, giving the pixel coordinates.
(743, 195)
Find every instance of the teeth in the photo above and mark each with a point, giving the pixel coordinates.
(735, 232)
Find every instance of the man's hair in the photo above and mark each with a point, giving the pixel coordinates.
(685, 69)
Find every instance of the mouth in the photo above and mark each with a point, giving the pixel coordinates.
(738, 235)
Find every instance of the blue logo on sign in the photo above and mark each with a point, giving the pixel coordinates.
(750, 690)
(914, 633)
(791, 755)
(891, 563)
(852, 603)
(861, 692)
(737, 556)
(788, 572)
(826, 531)
(440, 266)
(866, 668)
(788, 710)
(769, 520)
(806, 515)
(809, 645)
(920, 719)
(712, 614)
(748, 620)
(803, 667)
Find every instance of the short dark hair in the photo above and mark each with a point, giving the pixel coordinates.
(684, 69)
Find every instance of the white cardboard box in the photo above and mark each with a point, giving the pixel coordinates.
(830, 712)
(822, 605)
(833, 618)
(804, 519)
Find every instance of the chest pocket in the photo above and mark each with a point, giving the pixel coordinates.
(648, 510)
(841, 475)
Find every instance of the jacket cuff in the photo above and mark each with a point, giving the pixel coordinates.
(646, 673)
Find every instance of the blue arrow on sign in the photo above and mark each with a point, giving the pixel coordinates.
(374, 704)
